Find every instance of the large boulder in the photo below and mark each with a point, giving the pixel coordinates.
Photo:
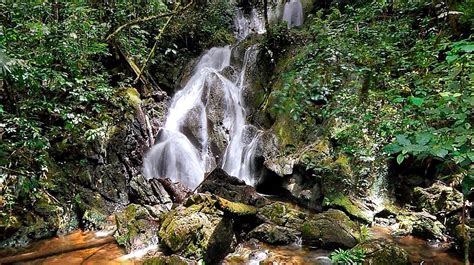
(149, 192)
(137, 226)
(304, 188)
(231, 188)
(330, 229)
(198, 230)
(283, 214)
(420, 224)
(274, 234)
(383, 252)
(438, 199)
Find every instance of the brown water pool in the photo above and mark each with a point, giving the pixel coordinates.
(88, 248)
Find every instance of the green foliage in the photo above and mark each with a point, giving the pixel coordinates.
(55, 86)
(380, 78)
(62, 84)
(348, 257)
(206, 26)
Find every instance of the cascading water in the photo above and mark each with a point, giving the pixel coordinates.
(206, 125)
(239, 156)
(293, 13)
(246, 24)
(183, 146)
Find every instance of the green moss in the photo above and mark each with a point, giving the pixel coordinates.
(131, 97)
(166, 260)
(346, 203)
(236, 208)
(287, 131)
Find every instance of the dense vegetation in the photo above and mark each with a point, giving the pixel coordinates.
(393, 78)
(361, 89)
(63, 76)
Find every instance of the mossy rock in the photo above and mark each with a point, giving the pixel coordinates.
(198, 230)
(382, 252)
(283, 214)
(331, 229)
(94, 219)
(420, 224)
(236, 208)
(274, 234)
(136, 227)
(169, 260)
(350, 206)
(437, 199)
(131, 96)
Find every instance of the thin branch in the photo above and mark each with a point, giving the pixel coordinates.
(145, 19)
(16, 171)
(137, 21)
(152, 52)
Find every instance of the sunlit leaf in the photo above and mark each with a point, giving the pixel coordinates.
(400, 158)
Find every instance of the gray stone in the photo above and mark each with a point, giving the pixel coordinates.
(274, 234)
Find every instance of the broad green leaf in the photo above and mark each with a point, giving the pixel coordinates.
(392, 148)
(400, 158)
(451, 58)
(444, 94)
(416, 101)
(415, 148)
(467, 184)
(439, 152)
(423, 138)
(403, 140)
(467, 47)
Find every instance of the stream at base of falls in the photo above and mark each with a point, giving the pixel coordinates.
(420, 251)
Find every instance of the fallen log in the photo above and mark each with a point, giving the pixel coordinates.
(177, 191)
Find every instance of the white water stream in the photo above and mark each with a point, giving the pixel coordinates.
(208, 115)
(293, 13)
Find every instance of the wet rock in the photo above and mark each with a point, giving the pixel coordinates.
(137, 227)
(149, 192)
(304, 188)
(274, 234)
(93, 210)
(331, 229)
(351, 206)
(198, 230)
(382, 252)
(459, 235)
(231, 188)
(421, 224)
(281, 165)
(235, 209)
(214, 101)
(176, 190)
(169, 260)
(438, 199)
(283, 214)
(20, 234)
(230, 73)
(94, 219)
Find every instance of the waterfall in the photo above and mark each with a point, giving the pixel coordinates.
(246, 24)
(293, 13)
(206, 124)
(209, 102)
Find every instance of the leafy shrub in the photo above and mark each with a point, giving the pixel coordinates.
(374, 77)
(346, 257)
